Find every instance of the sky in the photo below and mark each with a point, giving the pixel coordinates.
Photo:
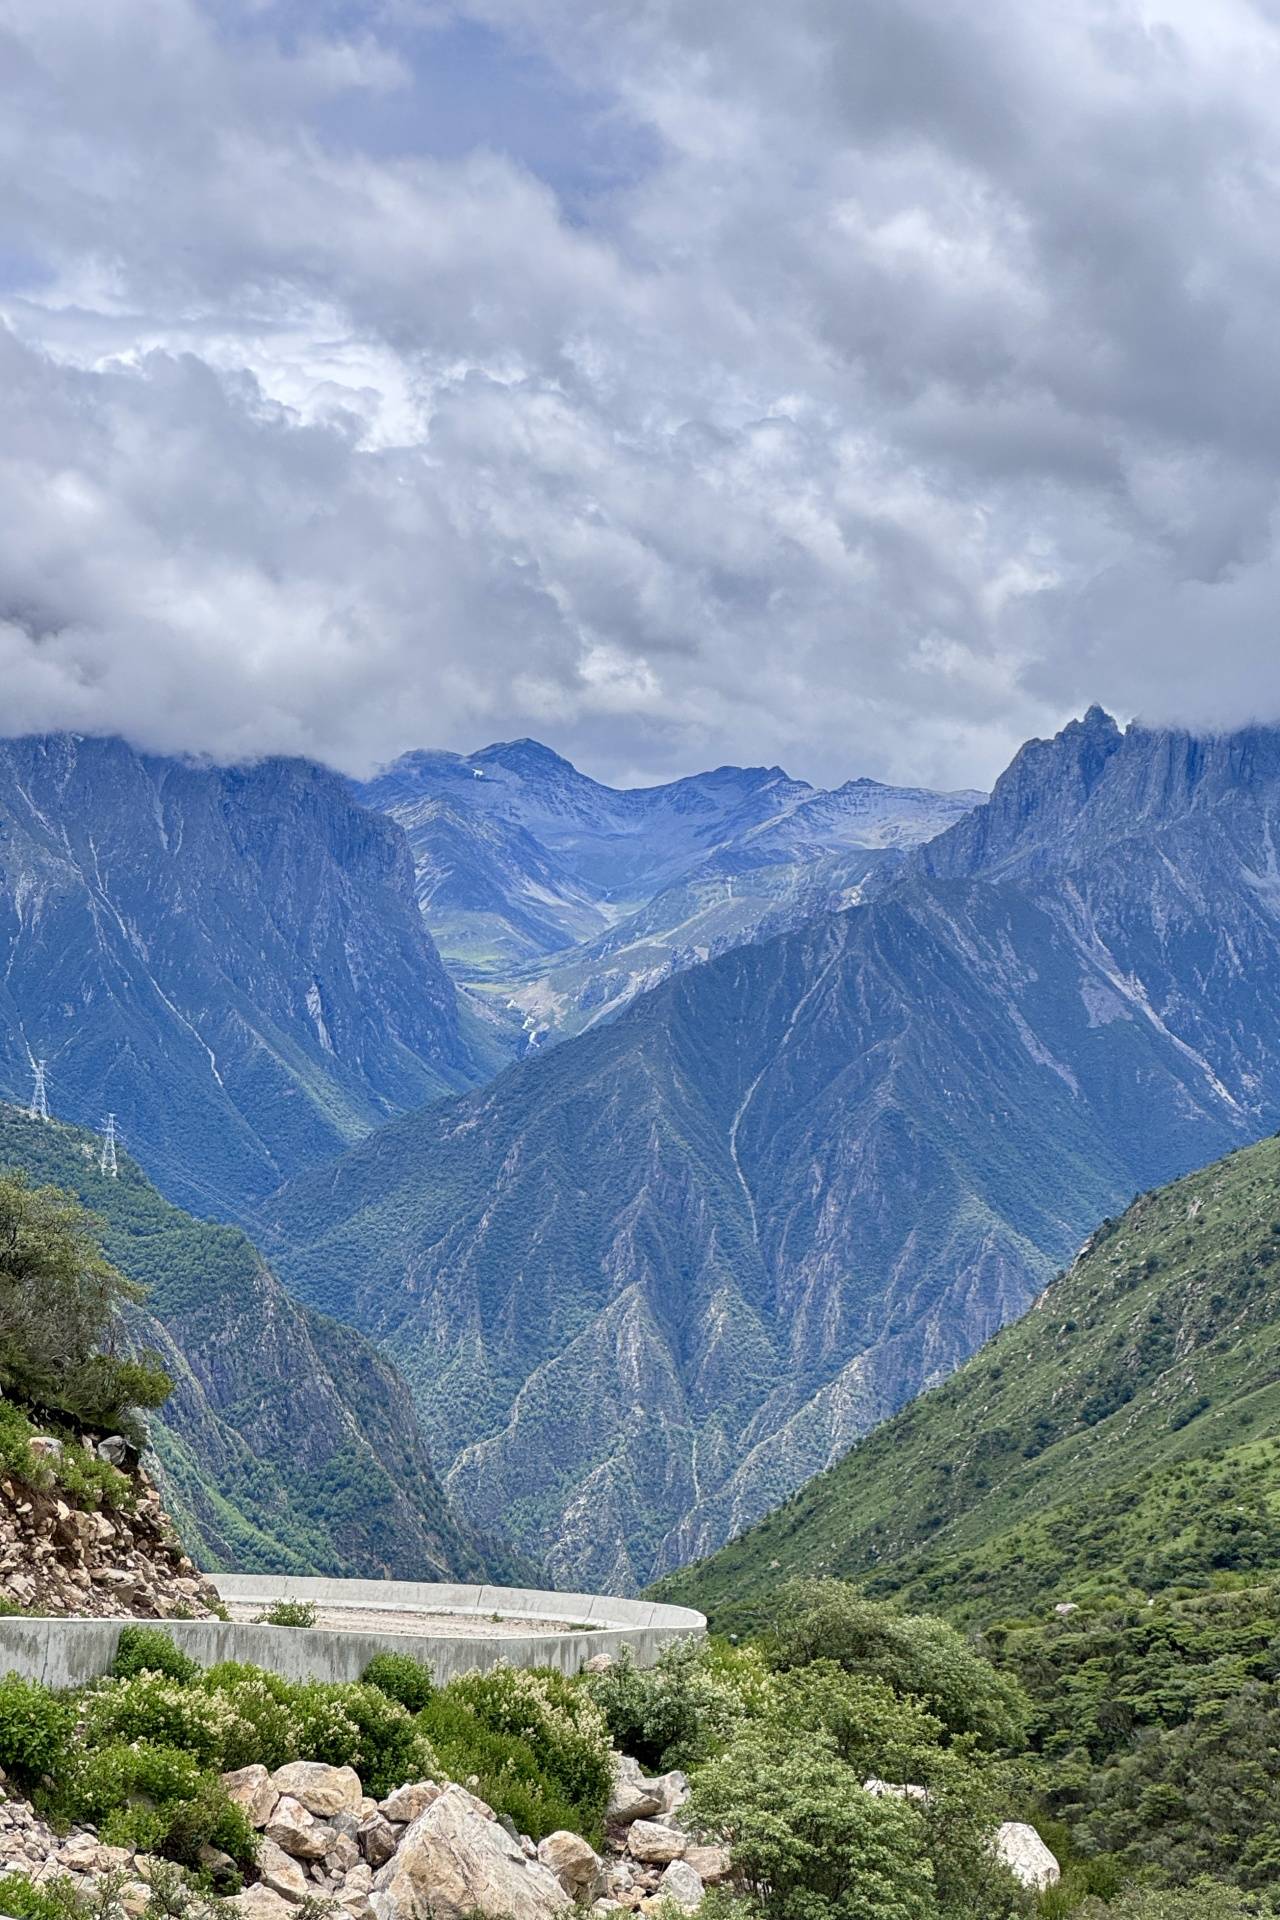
(858, 385)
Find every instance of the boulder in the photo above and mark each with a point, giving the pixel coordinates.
(577, 1867)
(455, 1861)
(633, 1797)
(280, 1872)
(711, 1864)
(322, 1790)
(1025, 1854)
(894, 1790)
(406, 1803)
(599, 1663)
(682, 1886)
(672, 1790)
(260, 1903)
(298, 1831)
(378, 1838)
(252, 1791)
(655, 1844)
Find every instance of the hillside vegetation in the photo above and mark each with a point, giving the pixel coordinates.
(1120, 1437)
(287, 1443)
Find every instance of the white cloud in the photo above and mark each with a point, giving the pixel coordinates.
(916, 391)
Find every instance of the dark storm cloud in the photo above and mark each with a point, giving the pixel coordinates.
(857, 386)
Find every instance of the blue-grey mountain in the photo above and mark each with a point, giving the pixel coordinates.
(230, 959)
(645, 1284)
(555, 900)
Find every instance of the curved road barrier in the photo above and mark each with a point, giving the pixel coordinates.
(451, 1629)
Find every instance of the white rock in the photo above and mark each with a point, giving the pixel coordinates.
(378, 1838)
(577, 1867)
(251, 1789)
(321, 1790)
(653, 1844)
(894, 1790)
(281, 1872)
(455, 1860)
(406, 1803)
(682, 1886)
(260, 1903)
(1025, 1854)
(298, 1831)
(633, 1797)
(672, 1790)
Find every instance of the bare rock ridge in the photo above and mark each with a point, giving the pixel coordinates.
(230, 958)
(645, 1285)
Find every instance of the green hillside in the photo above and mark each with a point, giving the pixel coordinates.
(1121, 1438)
(288, 1443)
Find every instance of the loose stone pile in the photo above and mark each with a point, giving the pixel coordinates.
(424, 1849)
(57, 1558)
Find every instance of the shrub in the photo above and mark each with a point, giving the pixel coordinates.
(36, 1727)
(152, 1797)
(151, 1650)
(402, 1678)
(1206, 1900)
(263, 1728)
(288, 1613)
(915, 1653)
(354, 1725)
(164, 1712)
(504, 1768)
(686, 1707)
(806, 1840)
(559, 1722)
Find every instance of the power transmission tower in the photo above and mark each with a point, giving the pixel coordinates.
(39, 1108)
(107, 1164)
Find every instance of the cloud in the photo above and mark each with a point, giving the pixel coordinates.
(858, 387)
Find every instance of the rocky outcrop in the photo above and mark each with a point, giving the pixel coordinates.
(56, 1557)
(456, 1860)
(1021, 1849)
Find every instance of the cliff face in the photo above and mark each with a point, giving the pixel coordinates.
(230, 959)
(645, 1286)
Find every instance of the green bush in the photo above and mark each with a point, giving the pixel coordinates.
(36, 1728)
(288, 1613)
(1206, 1900)
(155, 1798)
(684, 1708)
(263, 1728)
(807, 1841)
(503, 1767)
(402, 1678)
(558, 1721)
(915, 1653)
(164, 1712)
(353, 1725)
(151, 1650)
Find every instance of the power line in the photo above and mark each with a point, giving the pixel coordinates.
(107, 1164)
(39, 1108)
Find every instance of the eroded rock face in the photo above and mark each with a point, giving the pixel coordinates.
(455, 1860)
(1026, 1856)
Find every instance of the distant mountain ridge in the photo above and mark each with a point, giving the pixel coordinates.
(557, 899)
(230, 958)
(647, 1285)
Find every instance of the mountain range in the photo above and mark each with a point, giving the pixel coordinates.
(229, 958)
(645, 1285)
(555, 899)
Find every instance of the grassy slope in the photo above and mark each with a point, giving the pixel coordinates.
(1121, 1435)
(288, 1444)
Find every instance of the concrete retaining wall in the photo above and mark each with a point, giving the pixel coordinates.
(67, 1653)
